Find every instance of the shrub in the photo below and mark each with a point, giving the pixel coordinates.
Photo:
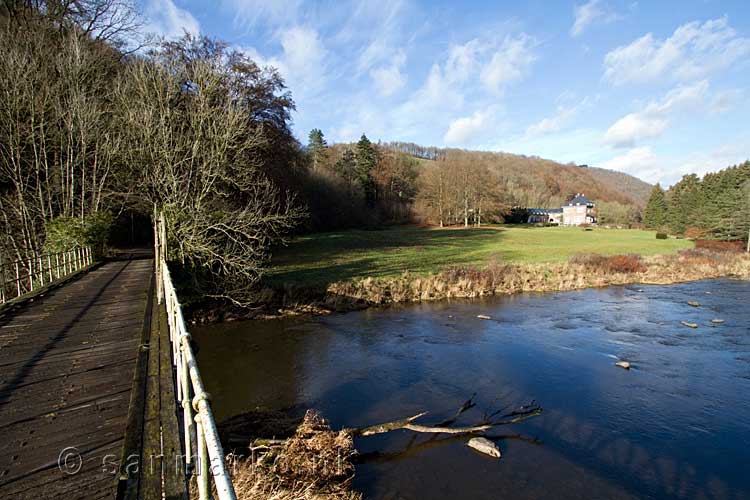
(589, 260)
(64, 233)
(625, 264)
(614, 264)
(489, 276)
(661, 236)
(721, 246)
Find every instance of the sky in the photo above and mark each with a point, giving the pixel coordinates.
(656, 89)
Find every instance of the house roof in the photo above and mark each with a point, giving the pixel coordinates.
(580, 199)
(545, 211)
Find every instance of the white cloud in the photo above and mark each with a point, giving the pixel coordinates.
(168, 20)
(252, 12)
(553, 123)
(303, 60)
(640, 162)
(653, 120)
(510, 62)
(643, 163)
(588, 13)
(725, 101)
(464, 129)
(694, 50)
(389, 79)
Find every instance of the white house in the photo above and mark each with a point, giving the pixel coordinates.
(579, 210)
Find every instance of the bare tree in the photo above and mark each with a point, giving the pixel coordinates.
(196, 153)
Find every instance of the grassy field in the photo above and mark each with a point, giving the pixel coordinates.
(340, 256)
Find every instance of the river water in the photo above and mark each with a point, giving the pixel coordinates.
(677, 425)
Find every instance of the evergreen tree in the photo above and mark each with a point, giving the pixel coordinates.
(366, 158)
(345, 167)
(316, 146)
(655, 213)
(683, 204)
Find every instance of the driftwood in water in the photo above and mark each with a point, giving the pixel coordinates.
(513, 417)
(484, 445)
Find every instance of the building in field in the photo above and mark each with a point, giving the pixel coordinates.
(580, 210)
(545, 215)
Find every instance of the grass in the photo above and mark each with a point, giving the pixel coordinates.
(341, 256)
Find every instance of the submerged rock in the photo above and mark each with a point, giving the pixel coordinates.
(694, 303)
(690, 325)
(484, 445)
(623, 364)
(717, 320)
(483, 316)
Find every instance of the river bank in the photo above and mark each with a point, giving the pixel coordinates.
(495, 278)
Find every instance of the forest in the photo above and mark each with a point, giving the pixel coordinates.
(714, 207)
(100, 126)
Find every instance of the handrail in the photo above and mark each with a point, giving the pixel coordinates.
(28, 275)
(210, 456)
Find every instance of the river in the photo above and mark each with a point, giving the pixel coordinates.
(677, 425)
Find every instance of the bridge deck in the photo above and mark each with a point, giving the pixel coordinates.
(67, 363)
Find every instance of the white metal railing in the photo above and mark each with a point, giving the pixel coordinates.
(200, 431)
(20, 277)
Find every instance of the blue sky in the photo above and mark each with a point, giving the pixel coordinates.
(652, 88)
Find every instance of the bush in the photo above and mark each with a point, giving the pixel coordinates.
(609, 265)
(64, 233)
(625, 264)
(661, 236)
(721, 246)
(490, 276)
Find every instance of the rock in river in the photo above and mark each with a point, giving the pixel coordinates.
(483, 316)
(690, 325)
(694, 303)
(717, 320)
(623, 364)
(484, 445)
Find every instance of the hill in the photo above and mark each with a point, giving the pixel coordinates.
(534, 181)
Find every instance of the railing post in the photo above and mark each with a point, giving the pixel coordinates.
(57, 265)
(2, 290)
(18, 280)
(49, 267)
(41, 271)
(202, 468)
(187, 415)
(30, 269)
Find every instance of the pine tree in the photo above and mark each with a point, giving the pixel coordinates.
(655, 214)
(345, 167)
(365, 160)
(316, 145)
(683, 204)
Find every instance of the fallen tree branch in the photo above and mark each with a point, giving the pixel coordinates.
(516, 416)
(386, 427)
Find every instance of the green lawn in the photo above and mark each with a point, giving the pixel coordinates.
(328, 257)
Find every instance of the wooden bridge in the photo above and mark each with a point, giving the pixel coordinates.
(98, 385)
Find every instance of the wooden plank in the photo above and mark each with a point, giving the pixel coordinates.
(151, 453)
(175, 486)
(67, 361)
(127, 482)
